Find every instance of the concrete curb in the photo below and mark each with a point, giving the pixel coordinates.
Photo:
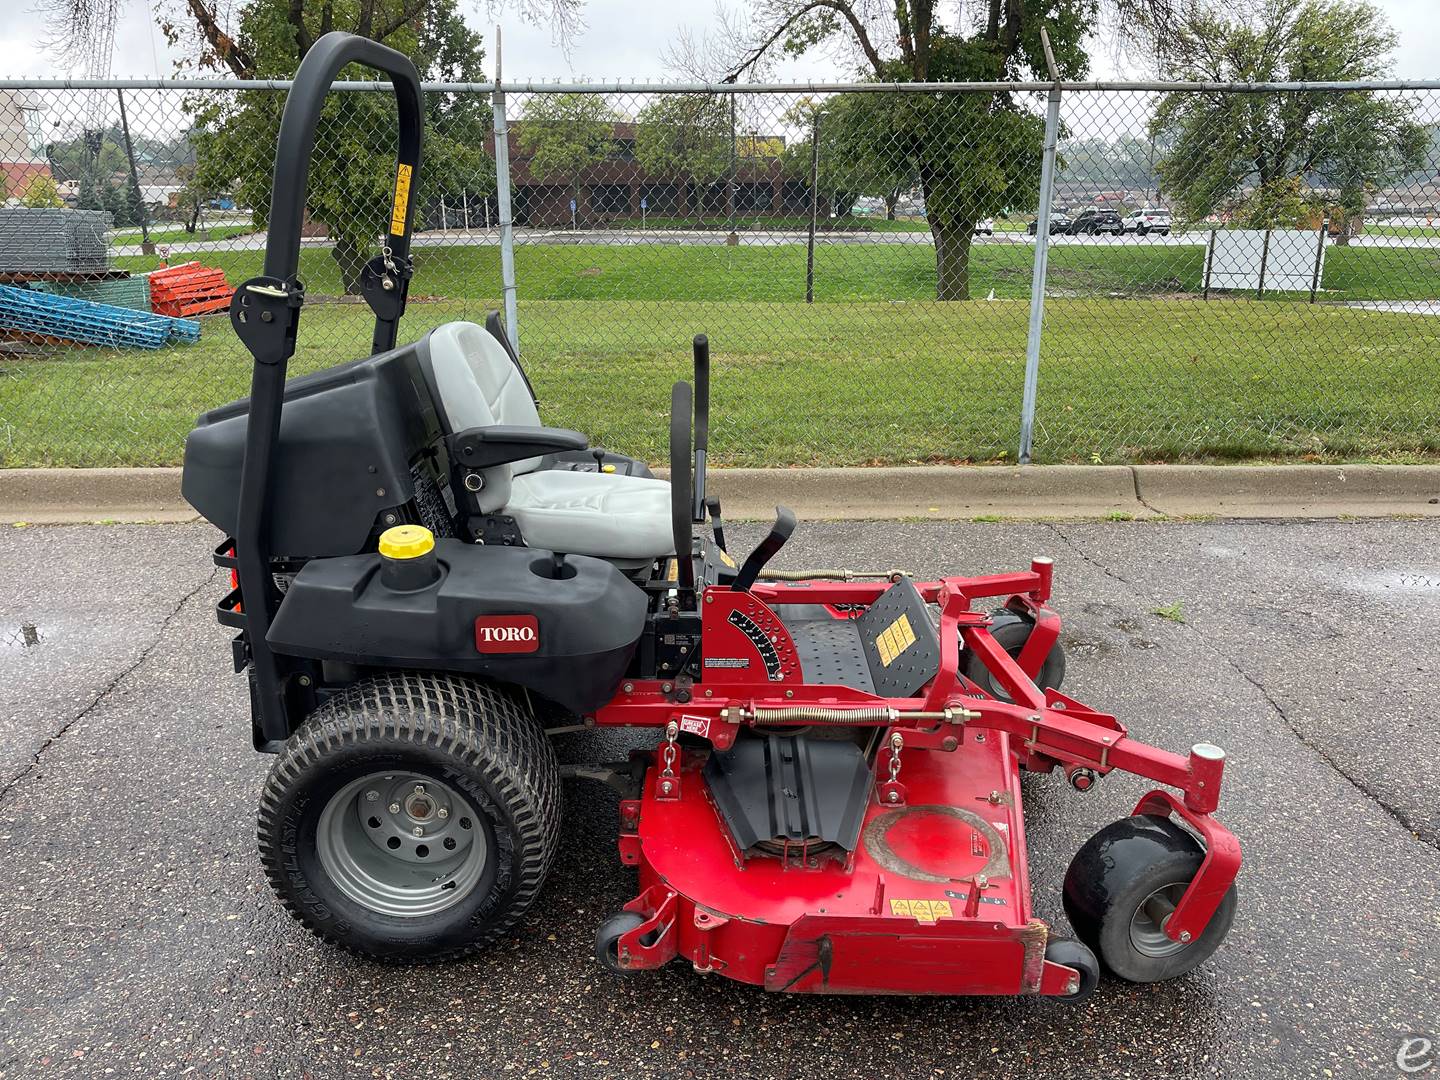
(1298, 491)
(59, 496)
(941, 492)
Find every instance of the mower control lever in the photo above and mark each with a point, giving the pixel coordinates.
(779, 533)
(701, 349)
(717, 526)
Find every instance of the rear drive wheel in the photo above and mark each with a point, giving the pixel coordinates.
(1012, 631)
(412, 816)
(1123, 885)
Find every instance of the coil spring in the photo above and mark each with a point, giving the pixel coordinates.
(817, 714)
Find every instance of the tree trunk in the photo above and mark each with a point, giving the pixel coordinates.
(891, 198)
(351, 257)
(952, 258)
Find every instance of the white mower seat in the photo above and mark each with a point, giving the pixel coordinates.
(614, 517)
(608, 515)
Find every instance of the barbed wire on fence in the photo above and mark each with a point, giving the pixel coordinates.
(1216, 280)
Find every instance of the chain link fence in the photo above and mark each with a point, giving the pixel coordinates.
(1223, 272)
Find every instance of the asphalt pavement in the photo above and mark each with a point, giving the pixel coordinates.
(138, 936)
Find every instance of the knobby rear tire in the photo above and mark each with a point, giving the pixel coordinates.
(476, 738)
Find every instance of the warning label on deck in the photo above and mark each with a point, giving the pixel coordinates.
(895, 639)
(925, 911)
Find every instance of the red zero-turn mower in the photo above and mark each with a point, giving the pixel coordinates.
(428, 582)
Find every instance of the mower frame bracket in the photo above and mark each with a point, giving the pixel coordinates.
(1217, 870)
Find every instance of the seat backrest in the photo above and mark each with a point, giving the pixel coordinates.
(499, 381)
(465, 405)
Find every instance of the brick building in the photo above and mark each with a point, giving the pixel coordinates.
(617, 187)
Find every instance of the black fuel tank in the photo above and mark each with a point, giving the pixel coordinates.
(586, 621)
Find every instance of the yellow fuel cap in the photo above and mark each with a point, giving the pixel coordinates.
(406, 542)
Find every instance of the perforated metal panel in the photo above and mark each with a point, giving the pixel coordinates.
(831, 652)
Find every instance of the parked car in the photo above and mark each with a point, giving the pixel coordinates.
(985, 227)
(1094, 220)
(1148, 220)
(1059, 222)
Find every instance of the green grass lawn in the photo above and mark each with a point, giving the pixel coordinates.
(843, 271)
(176, 234)
(865, 381)
(773, 223)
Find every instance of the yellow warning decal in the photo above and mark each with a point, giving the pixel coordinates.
(672, 570)
(402, 199)
(895, 639)
(925, 911)
(727, 560)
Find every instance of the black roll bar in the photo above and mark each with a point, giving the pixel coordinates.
(265, 312)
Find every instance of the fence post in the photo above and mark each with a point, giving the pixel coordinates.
(1042, 258)
(145, 245)
(1264, 263)
(1319, 258)
(1209, 262)
(502, 199)
(814, 208)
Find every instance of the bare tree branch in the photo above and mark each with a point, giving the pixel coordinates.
(410, 11)
(846, 11)
(222, 45)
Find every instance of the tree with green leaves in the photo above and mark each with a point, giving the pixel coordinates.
(90, 162)
(113, 199)
(352, 169)
(1258, 154)
(974, 155)
(562, 135)
(42, 191)
(857, 154)
(686, 138)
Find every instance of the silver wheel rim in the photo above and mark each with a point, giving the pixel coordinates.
(401, 843)
(1147, 925)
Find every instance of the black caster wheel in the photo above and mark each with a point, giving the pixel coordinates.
(1123, 885)
(607, 939)
(1077, 955)
(1012, 631)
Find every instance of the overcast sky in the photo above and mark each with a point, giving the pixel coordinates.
(625, 40)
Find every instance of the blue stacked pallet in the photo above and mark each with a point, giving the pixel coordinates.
(66, 317)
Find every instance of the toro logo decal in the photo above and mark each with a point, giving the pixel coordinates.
(507, 633)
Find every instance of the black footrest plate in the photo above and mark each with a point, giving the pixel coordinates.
(900, 641)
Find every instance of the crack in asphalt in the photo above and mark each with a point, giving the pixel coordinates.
(1417, 830)
(106, 690)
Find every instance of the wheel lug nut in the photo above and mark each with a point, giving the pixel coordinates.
(371, 796)
(419, 789)
(418, 831)
(394, 807)
(442, 813)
